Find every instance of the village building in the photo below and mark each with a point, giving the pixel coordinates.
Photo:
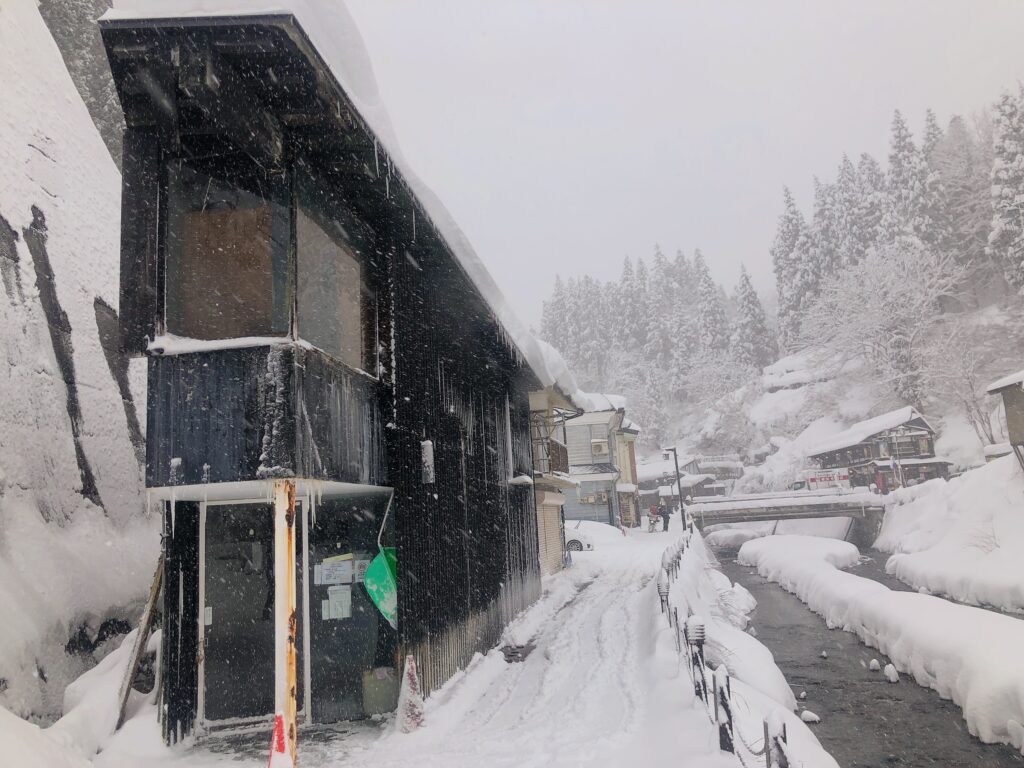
(601, 452)
(890, 451)
(548, 410)
(339, 415)
(1011, 390)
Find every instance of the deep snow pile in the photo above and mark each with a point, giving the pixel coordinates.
(72, 547)
(962, 538)
(602, 686)
(969, 655)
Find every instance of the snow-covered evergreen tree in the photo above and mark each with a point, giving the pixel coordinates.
(872, 202)
(753, 343)
(791, 228)
(964, 158)
(906, 185)
(935, 226)
(1006, 240)
(712, 322)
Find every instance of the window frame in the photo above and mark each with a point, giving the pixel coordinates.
(365, 249)
(215, 164)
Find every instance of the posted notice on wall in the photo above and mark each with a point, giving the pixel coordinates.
(334, 570)
(338, 604)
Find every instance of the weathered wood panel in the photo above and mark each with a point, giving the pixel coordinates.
(220, 416)
(179, 647)
(140, 195)
(339, 422)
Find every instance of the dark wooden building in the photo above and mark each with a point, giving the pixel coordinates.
(1011, 389)
(890, 451)
(326, 380)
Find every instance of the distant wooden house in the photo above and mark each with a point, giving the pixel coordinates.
(1011, 390)
(890, 451)
(332, 385)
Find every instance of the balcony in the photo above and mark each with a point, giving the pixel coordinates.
(549, 455)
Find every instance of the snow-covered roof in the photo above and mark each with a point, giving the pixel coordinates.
(655, 469)
(603, 402)
(632, 426)
(912, 462)
(1006, 381)
(625, 487)
(690, 481)
(862, 430)
(333, 32)
(667, 490)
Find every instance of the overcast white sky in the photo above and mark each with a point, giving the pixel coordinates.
(565, 134)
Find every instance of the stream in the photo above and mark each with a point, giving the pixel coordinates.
(866, 722)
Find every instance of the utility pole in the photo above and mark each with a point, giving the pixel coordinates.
(679, 482)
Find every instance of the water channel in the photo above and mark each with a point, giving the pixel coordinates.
(866, 722)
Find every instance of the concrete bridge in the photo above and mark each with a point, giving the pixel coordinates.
(865, 508)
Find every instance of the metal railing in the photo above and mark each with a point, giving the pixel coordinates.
(549, 455)
(719, 699)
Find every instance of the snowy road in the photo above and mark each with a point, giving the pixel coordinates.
(601, 686)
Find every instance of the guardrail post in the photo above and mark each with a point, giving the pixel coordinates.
(774, 739)
(723, 709)
(663, 591)
(695, 633)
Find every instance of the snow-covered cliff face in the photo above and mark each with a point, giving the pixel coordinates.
(76, 544)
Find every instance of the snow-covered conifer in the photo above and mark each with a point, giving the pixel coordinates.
(753, 342)
(790, 229)
(712, 322)
(1006, 240)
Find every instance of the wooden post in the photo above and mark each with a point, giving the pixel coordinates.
(284, 608)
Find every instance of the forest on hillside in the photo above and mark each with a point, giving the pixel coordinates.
(882, 274)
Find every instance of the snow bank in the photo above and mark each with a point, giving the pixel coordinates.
(962, 538)
(758, 685)
(969, 655)
(704, 590)
(24, 744)
(64, 561)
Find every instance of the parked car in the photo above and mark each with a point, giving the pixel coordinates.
(819, 479)
(576, 540)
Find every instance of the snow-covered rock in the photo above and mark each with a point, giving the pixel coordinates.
(75, 541)
(809, 717)
(961, 538)
(891, 674)
(874, 665)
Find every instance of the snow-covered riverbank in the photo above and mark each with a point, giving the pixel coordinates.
(967, 654)
(962, 538)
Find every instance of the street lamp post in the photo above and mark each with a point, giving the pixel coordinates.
(900, 432)
(679, 482)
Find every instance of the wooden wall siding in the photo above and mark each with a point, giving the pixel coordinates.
(339, 421)
(178, 648)
(219, 416)
(245, 414)
(467, 544)
(549, 533)
(140, 194)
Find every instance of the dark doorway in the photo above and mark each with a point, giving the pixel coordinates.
(239, 611)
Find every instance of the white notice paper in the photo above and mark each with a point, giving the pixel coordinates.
(339, 599)
(337, 570)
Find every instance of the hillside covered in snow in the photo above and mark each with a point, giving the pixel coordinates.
(77, 546)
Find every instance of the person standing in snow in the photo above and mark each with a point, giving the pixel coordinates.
(665, 513)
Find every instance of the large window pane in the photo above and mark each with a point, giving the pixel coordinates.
(337, 308)
(227, 257)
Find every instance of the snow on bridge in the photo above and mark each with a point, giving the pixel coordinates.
(786, 505)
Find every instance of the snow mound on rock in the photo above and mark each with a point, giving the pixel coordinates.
(961, 537)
